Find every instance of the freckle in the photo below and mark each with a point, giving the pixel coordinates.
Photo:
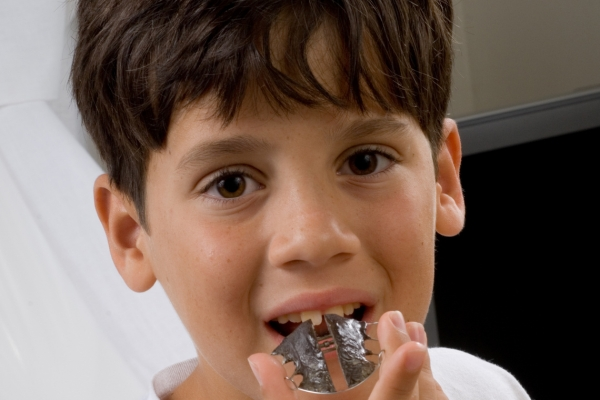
(228, 260)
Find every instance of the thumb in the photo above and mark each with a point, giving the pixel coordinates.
(271, 377)
(399, 379)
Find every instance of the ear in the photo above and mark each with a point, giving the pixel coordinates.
(126, 238)
(450, 202)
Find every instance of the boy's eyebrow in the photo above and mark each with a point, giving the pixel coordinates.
(206, 151)
(246, 144)
(364, 128)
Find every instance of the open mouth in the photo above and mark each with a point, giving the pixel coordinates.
(286, 324)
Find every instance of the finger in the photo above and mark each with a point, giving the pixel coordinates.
(391, 333)
(427, 389)
(440, 395)
(398, 380)
(271, 377)
(428, 386)
(416, 332)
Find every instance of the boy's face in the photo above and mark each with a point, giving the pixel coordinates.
(276, 215)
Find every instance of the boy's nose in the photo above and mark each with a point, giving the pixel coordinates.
(310, 232)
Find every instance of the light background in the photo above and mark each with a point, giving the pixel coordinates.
(69, 328)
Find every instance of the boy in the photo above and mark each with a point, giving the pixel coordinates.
(273, 161)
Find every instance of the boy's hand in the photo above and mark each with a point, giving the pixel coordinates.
(405, 371)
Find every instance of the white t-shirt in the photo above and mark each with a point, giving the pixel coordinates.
(461, 375)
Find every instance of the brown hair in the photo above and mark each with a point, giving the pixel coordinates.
(136, 61)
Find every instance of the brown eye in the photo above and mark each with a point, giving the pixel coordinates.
(231, 186)
(366, 162)
(363, 163)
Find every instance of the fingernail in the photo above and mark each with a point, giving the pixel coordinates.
(415, 359)
(417, 333)
(255, 371)
(398, 321)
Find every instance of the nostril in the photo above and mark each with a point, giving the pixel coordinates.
(301, 247)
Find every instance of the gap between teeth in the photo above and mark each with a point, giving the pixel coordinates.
(317, 316)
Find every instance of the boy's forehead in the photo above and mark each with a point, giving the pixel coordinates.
(240, 140)
(202, 118)
(256, 115)
(206, 139)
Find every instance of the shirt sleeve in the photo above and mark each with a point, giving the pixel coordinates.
(466, 377)
(167, 380)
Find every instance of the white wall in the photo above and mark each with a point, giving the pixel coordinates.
(513, 52)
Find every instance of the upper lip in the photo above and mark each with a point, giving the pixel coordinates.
(321, 301)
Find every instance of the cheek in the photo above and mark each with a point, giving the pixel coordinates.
(400, 234)
(207, 270)
(209, 274)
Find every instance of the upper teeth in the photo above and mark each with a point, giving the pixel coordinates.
(317, 316)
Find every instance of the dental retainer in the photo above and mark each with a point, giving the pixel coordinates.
(306, 350)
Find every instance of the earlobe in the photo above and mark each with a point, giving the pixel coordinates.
(126, 238)
(450, 217)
